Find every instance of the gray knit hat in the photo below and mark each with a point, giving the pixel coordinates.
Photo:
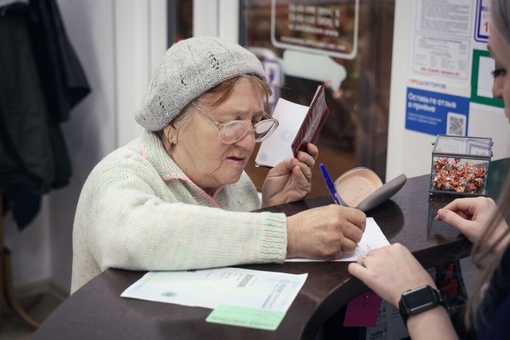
(190, 68)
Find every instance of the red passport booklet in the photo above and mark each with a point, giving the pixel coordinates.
(299, 125)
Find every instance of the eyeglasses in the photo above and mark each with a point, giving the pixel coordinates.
(235, 130)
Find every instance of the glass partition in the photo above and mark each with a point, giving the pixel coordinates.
(180, 20)
(345, 45)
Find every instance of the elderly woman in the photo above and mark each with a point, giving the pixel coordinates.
(178, 198)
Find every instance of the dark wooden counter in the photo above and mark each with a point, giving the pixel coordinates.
(97, 310)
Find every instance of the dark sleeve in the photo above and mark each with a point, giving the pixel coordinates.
(496, 304)
(63, 77)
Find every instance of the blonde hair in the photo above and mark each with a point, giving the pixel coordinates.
(500, 18)
(487, 258)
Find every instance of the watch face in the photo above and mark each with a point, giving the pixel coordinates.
(419, 300)
(420, 297)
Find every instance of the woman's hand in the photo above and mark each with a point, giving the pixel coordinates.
(324, 233)
(471, 217)
(291, 179)
(390, 271)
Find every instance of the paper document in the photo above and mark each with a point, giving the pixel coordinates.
(372, 238)
(299, 125)
(210, 288)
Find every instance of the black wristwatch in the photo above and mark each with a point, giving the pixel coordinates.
(418, 300)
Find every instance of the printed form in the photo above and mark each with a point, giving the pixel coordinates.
(221, 286)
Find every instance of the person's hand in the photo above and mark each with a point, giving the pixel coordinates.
(390, 271)
(471, 217)
(290, 180)
(324, 233)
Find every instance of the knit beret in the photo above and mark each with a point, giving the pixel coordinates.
(189, 68)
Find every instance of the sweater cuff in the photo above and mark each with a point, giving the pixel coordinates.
(274, 237)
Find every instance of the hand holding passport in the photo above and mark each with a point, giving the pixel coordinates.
(299, 125)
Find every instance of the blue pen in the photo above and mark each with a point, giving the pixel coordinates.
(329, 184)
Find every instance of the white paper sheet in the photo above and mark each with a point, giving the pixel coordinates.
(372, 238)
(278, 146)
(221, 286)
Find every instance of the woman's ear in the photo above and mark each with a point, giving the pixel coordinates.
(170, 133)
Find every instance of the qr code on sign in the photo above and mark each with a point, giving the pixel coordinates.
(455, 124)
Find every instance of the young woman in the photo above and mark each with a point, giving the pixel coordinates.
(395, 275)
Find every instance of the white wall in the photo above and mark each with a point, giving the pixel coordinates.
(410, 152)
(224, 24)
(119, 44)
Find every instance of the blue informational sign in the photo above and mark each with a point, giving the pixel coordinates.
(436, 113)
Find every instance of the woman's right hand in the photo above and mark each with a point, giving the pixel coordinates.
(324, 233)
(390, 271)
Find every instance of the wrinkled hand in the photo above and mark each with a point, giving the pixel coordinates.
(390, 271)
(471, 216)
(290, 180)
(324, 233)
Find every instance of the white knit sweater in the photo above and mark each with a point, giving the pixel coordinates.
(139, 211)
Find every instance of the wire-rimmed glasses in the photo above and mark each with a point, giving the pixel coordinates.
(235, 130)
